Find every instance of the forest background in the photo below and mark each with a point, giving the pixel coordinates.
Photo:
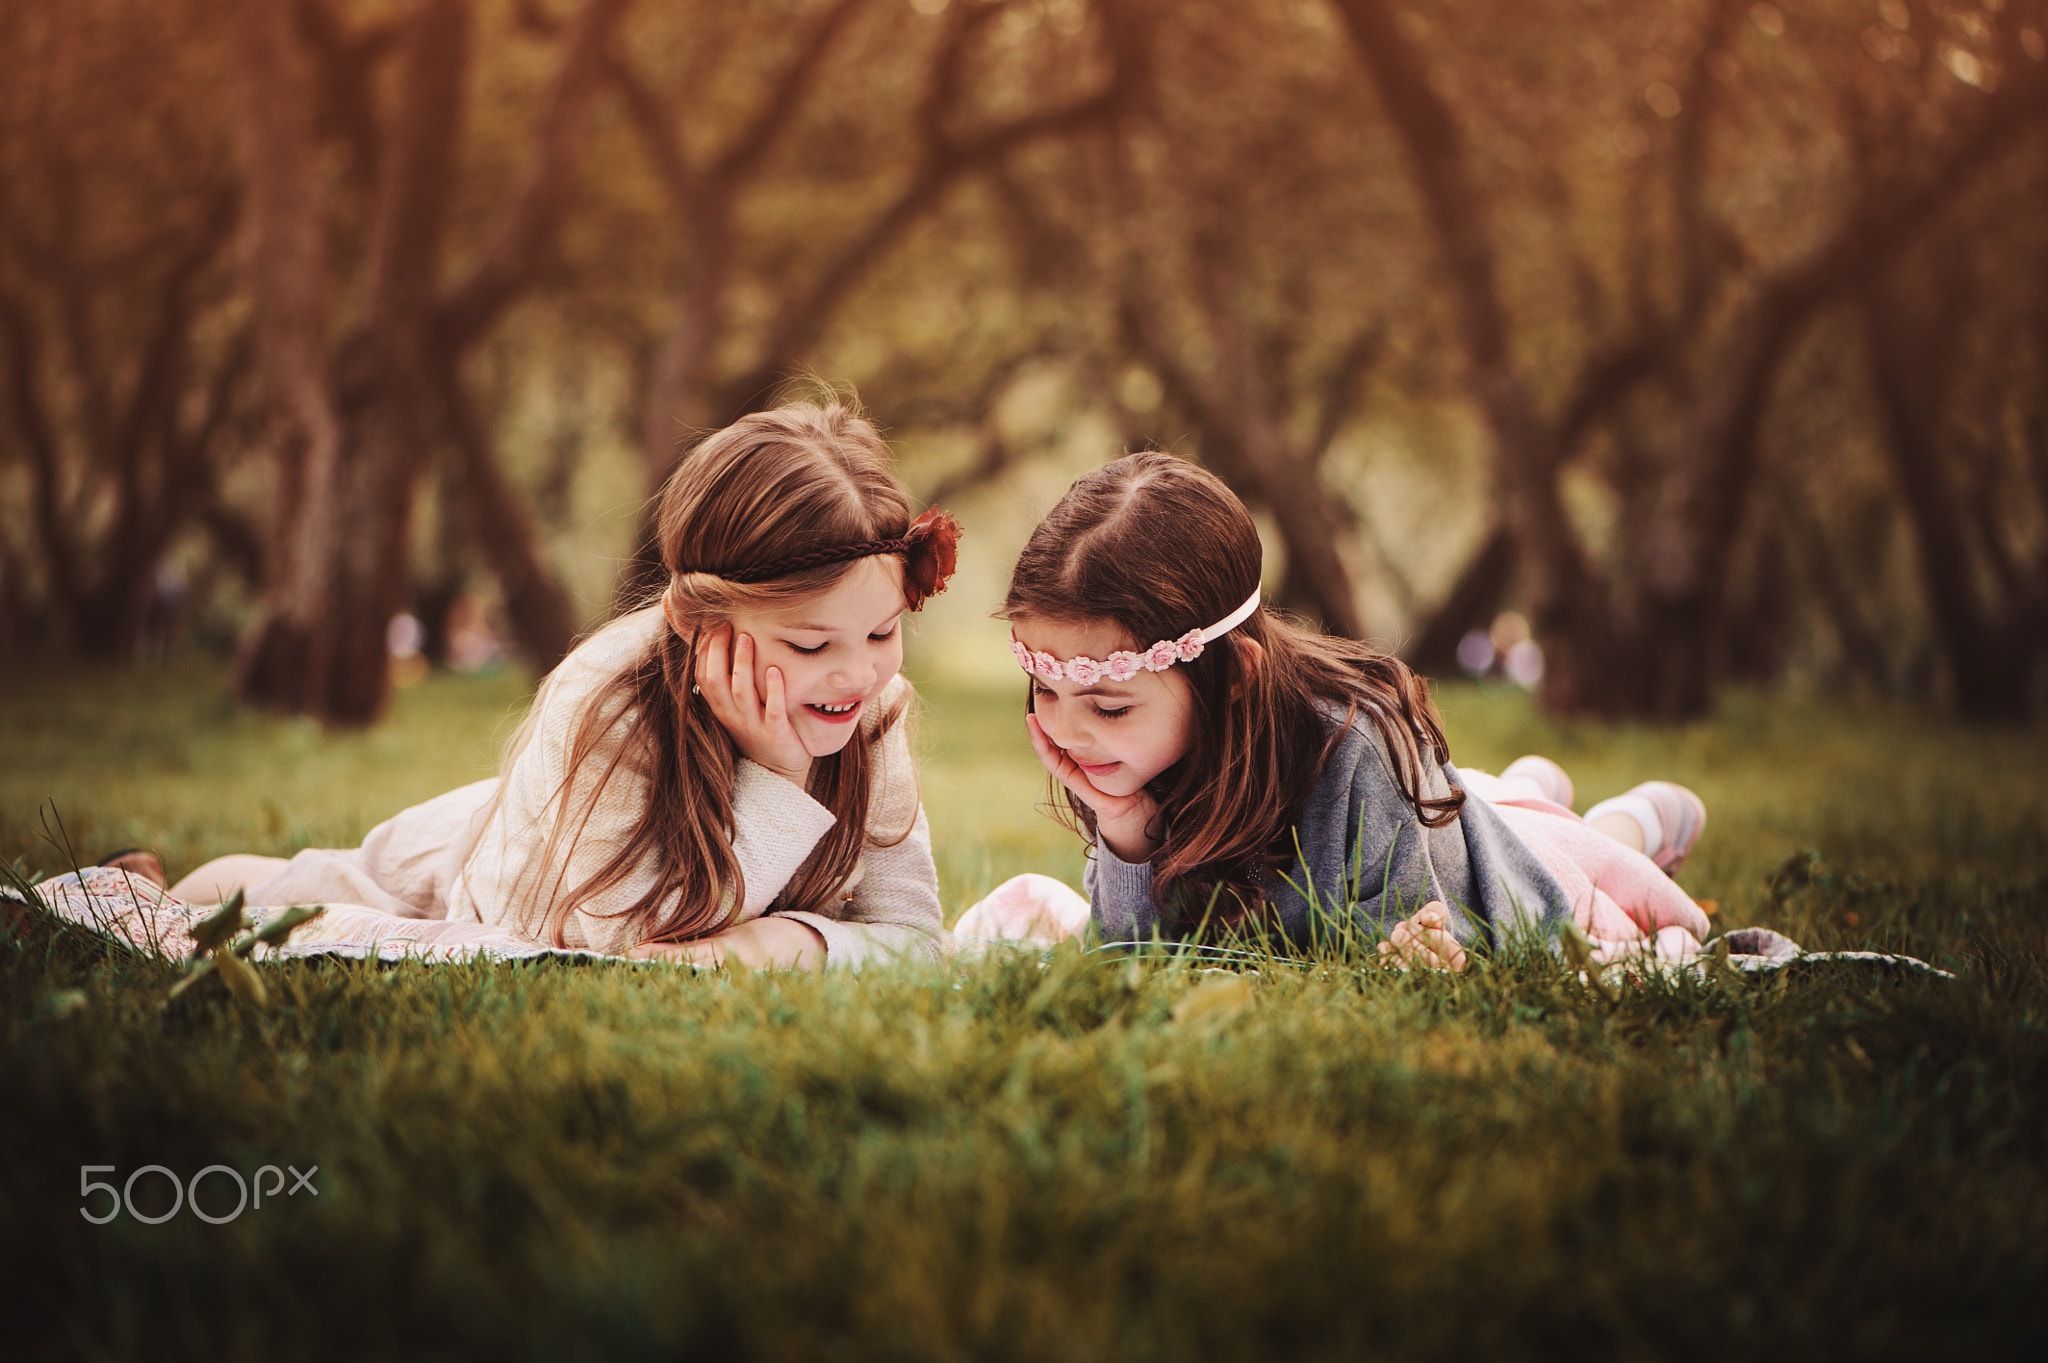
(1709, 338)
(345, 341)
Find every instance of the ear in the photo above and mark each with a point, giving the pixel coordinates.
(1251, 656)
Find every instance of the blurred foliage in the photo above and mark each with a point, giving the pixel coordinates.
(1033, 232)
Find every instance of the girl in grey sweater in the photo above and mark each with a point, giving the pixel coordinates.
(1243, 771)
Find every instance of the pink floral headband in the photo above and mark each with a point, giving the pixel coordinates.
(1122, 666)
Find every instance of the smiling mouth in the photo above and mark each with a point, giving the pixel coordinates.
(1096, 768)
(835, 714)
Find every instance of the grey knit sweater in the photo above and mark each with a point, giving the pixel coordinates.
(1364, 853)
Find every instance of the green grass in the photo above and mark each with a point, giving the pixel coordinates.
(1021, 1158)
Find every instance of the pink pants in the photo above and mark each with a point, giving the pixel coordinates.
(1618, 895)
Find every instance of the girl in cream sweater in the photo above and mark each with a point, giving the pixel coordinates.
(721, 773)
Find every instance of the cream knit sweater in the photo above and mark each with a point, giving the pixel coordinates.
(890, 907)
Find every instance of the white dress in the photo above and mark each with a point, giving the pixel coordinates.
(475, 854)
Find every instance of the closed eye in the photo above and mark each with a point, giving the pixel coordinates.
(799, 648)
(1117, 713)
(884, 636)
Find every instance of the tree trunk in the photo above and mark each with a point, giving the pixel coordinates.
(1863, 649)
(1696, 525)
(543, 618)
(321, 648)
(1989, 670)
(344, 523)
(283, 658)
(1474, 599)
(1685, 581)
(1566, 601)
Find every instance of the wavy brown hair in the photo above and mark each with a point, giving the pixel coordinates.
(771, 486)
(1159, 546)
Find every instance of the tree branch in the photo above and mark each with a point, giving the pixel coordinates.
(53, 518)
(506, 267)
(651, 119)
(347, 67)
(1699, 516)
(947, 160)
(1340, 388)
(743, 158)
(543, 620)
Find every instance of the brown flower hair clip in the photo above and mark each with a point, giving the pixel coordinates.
(931, 553)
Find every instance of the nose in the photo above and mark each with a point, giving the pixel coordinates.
(854, 674)
(1061, 724)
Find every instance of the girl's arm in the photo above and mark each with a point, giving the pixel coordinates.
(893, 913)
(894, 908)
(508, 877)
(1120, 896)
(1366, 856)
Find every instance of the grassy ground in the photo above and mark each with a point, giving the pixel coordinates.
(1036, 1159)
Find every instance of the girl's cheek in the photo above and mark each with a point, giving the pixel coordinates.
(790, 668)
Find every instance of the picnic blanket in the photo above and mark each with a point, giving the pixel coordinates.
(1031, 910)
(117, 905)
(1037, 910)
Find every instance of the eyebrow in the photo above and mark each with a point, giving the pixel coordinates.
(1110, 691)
(835, 629)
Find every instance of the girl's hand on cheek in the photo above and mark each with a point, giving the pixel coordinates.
(1128, 824)
(759, 723)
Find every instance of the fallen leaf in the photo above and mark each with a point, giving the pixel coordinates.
(217, 927)
(284, 925)
(241, 979)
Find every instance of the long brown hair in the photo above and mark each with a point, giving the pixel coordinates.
(771, 486)
(1159, 546)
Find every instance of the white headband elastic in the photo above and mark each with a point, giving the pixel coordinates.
(1122, 666)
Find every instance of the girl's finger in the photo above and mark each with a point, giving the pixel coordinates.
(1053, 757)
(1048, 752)
(1068, 772)
(775, 704)
(706, 647)
(743, 675)
(714, 677)
(714, 662)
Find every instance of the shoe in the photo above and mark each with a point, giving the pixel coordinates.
(1545, 774)
(1684, 816)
